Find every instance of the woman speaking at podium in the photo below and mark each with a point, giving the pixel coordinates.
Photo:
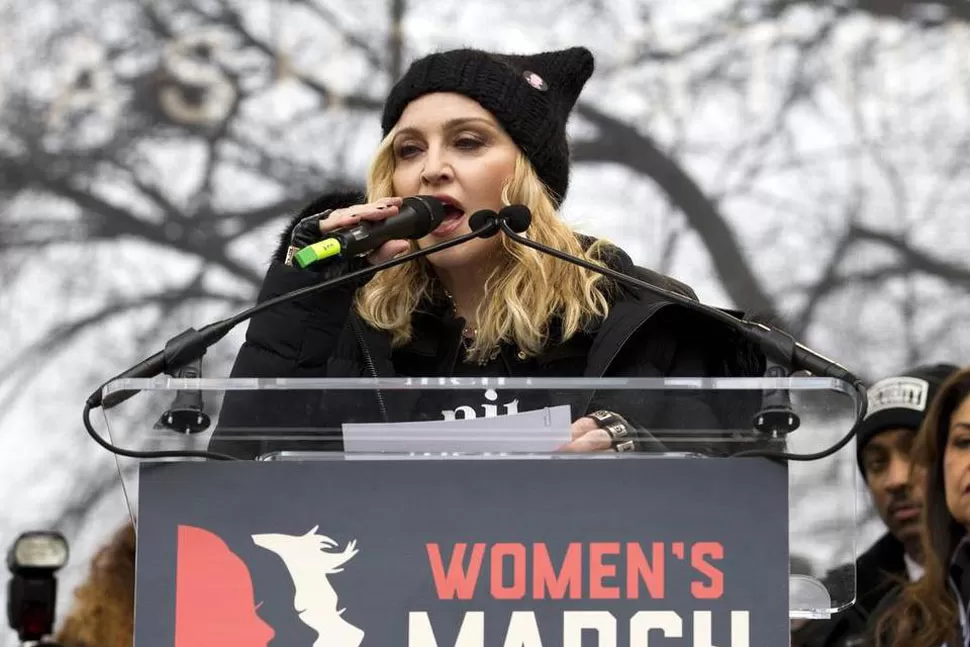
(479, 130)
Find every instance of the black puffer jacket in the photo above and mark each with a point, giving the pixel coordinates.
(321, 337)
(958, 587)
(878, 572)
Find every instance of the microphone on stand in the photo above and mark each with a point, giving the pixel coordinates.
(191, 344)
(779, 347)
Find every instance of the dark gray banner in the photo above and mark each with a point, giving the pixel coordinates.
(464, 553)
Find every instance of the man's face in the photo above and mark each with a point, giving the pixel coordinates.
(889, 475)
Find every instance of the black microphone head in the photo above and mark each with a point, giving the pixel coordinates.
(430, 211)
(481, 218)
(517, 216)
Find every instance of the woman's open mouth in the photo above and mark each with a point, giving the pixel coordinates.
(454, 217)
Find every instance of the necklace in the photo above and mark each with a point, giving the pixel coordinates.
(468, 332)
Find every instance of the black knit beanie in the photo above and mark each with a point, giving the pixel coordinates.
(900, 402)
(530, 96)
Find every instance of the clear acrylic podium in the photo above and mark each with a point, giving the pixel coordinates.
(492, 448)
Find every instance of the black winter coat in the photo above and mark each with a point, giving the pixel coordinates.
(878, 572)
(958, 587)
(320, 336)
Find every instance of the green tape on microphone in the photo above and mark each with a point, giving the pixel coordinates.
(317, 252)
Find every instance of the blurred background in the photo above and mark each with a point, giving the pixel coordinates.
(802, 159)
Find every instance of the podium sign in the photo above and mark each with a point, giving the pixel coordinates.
(464, 552)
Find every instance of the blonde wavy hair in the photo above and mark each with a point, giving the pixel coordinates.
(527, 289)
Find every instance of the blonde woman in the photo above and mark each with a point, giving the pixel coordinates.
(480, 130)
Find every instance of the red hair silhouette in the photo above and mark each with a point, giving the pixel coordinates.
(214, 604)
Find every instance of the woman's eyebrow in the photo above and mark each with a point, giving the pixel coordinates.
(451, 124)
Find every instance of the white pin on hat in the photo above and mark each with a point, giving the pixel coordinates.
(535, 81)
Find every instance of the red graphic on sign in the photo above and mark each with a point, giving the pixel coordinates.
(214, 603)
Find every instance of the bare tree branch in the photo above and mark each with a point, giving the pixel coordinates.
(795, 88)
(927, 14)
(233, 20)
(909, 307)
(395, 39)
(115, 221)
(940, 330)
(39, 232)
(917, 260)
(213, 140)
(69, 519)
(242, 221)
(830, 279)
(621, 143)
(63, 334)
(372, 55)
(956, 167)
(872, 277)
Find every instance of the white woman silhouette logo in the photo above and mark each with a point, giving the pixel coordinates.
(315, 601)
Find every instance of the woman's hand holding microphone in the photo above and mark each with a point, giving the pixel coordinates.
(315, 228)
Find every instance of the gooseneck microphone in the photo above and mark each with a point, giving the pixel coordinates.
(192, 344)
(417, 217)
(777, 345)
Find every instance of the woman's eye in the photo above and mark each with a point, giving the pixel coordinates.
(468, 143)
(405, 151)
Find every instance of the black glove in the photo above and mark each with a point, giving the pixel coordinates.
(307, 232)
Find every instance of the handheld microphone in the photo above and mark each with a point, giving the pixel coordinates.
(417, 217)
(777, 345)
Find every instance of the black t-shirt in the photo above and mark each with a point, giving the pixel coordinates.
(494, 367)
(478, 400)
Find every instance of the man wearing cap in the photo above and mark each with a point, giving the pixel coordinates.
(884, 438)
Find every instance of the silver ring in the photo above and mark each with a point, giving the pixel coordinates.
(617, 430)
(601, 415)
(625, 446)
